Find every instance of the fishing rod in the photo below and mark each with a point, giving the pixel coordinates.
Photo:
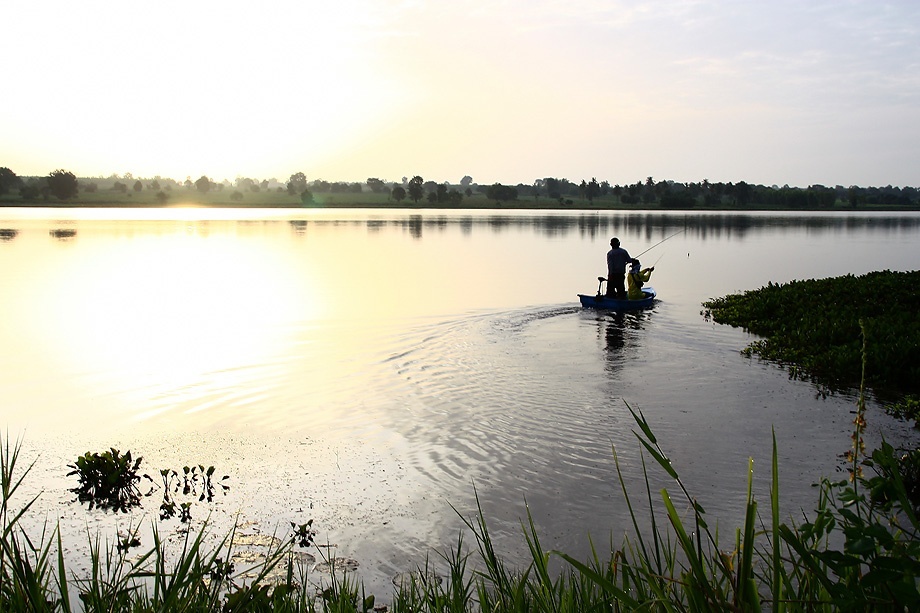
(659, 242)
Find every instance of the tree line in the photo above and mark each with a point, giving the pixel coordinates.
(64, 185)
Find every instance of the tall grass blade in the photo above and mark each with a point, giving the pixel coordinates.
(745, 590)
(776, 552)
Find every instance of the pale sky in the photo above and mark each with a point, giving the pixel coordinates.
(771, 92)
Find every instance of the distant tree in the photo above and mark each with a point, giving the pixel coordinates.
(743, 193)
(442, 193)
(454, 198)
(63, 184)
(537, 188)
(90, 188)
(376, 185)
(306, 197)
(398, 193)
(822, 197)
(416, 189)
(236, 196)
(120, 187)
(553, 188)
(162, 197)
(501, 193)
(469, 192)
(155, 185)
(644, 191)
(433, 197)
(853, 195)
(138, 186)
(203, 184)
(8, 180)
(466, 181)
(297, 183)
(662, 188)
(592, 190)
(678, 200)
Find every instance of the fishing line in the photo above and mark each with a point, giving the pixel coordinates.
(659, 242)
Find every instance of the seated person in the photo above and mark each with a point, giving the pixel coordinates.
(636, 279)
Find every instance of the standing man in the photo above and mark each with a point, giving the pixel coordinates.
(617, 259)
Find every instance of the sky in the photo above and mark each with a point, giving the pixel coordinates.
(773, 93)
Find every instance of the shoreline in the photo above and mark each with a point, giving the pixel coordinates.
(490, 206)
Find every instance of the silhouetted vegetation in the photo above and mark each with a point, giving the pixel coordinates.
(547, 193)
(63, 184)
(813, 327)
(8, 181)
(108, 480)
(501, 193)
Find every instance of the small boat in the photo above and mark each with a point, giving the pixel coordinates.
(601, 301)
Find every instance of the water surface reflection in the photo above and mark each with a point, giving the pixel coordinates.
(371, 368)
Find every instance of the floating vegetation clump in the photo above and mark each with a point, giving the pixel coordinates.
(108, 480)
(813, 328)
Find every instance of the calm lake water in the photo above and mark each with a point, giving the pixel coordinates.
(375, 370)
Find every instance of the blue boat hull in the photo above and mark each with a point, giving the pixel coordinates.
(614, 304)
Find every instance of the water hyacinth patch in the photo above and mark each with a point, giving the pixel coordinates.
(813, 328)
(108, 480)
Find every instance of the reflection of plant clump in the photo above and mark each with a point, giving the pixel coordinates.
(108, 480)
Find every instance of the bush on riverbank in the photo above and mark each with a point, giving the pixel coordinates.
(813, 328)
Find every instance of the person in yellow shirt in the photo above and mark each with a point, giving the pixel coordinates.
(636, 279)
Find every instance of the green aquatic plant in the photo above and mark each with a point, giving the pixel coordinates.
(906, 408)
(304, 534)
(108, 480)
(813, 328)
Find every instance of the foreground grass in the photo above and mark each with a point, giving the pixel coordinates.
(813, 328)
(858, 551)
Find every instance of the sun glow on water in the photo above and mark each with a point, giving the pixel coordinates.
(161, 314)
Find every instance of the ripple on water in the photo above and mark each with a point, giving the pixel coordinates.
(384, 448)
